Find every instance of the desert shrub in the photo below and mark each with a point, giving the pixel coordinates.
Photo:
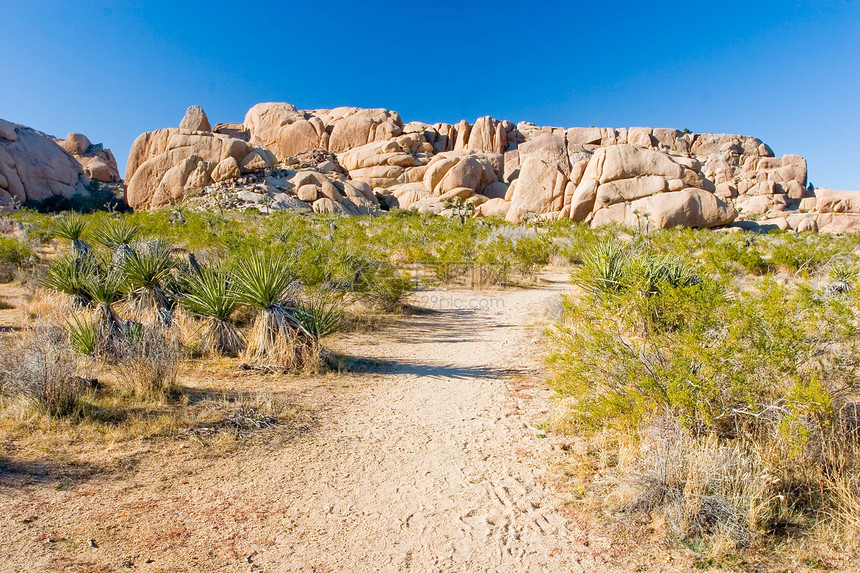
(41, 368)
(751, 382)
(740, 253)
(717, 362)
(14, 255)
(147, 363)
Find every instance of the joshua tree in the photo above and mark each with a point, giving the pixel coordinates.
(115, 233)
(68, 275)
(71, 226)
(104, 285)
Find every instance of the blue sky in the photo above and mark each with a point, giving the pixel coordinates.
(786, 72)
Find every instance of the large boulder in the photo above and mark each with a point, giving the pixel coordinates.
(384, 163)
(489, 135)
(833, 201)
(97, 162)
(34, 167)
(353, 127)
(283, 130)
(625, 162)
(286, 131)
(195, 120)
(540, 189)
(165, 165)
(455, 169)
(685, 208)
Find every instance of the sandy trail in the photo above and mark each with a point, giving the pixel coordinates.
(439, 464)
(428, 460)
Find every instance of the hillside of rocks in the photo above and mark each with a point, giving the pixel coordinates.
(352, 160)
(357, 161)
(35, 167)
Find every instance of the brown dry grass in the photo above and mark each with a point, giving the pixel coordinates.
(722, 506)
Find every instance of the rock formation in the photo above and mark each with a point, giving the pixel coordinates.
(655, 178)
(35, 167)
(97, 162)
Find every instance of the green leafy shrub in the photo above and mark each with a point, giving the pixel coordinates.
(756, 374)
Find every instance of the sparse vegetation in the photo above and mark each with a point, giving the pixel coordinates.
(708, 373)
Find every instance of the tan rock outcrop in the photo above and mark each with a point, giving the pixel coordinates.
(834, 201)
(687, 208)
(34, 167)
(488, 135)
(97, 162)
(160, 168)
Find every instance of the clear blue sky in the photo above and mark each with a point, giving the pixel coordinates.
(787, 72)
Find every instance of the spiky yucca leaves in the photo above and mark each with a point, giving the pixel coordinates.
(663, 269)
(207, 293)
(104, 285)
(71, 226)
(146, 268)
(67, 275)
(277, 338)
(115, 233)
(83, 334)
(320, 318)
(603, 269)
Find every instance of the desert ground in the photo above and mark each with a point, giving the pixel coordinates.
(428, 456)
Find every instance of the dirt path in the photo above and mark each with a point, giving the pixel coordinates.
(428, 460)
(439, 465)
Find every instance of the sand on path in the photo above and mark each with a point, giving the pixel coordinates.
(429, 459)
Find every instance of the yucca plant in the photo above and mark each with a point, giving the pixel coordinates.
(320, 319)
(104, 285)
(842, 276)
(662, 269)
(71, 226)
(67, 274)
(262, 281)
(146, 267)
(83, 334)
(207, 294)
(115, 233)
(604, 269)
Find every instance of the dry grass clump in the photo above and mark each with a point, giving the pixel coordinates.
(147, 363)
(41, 369)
